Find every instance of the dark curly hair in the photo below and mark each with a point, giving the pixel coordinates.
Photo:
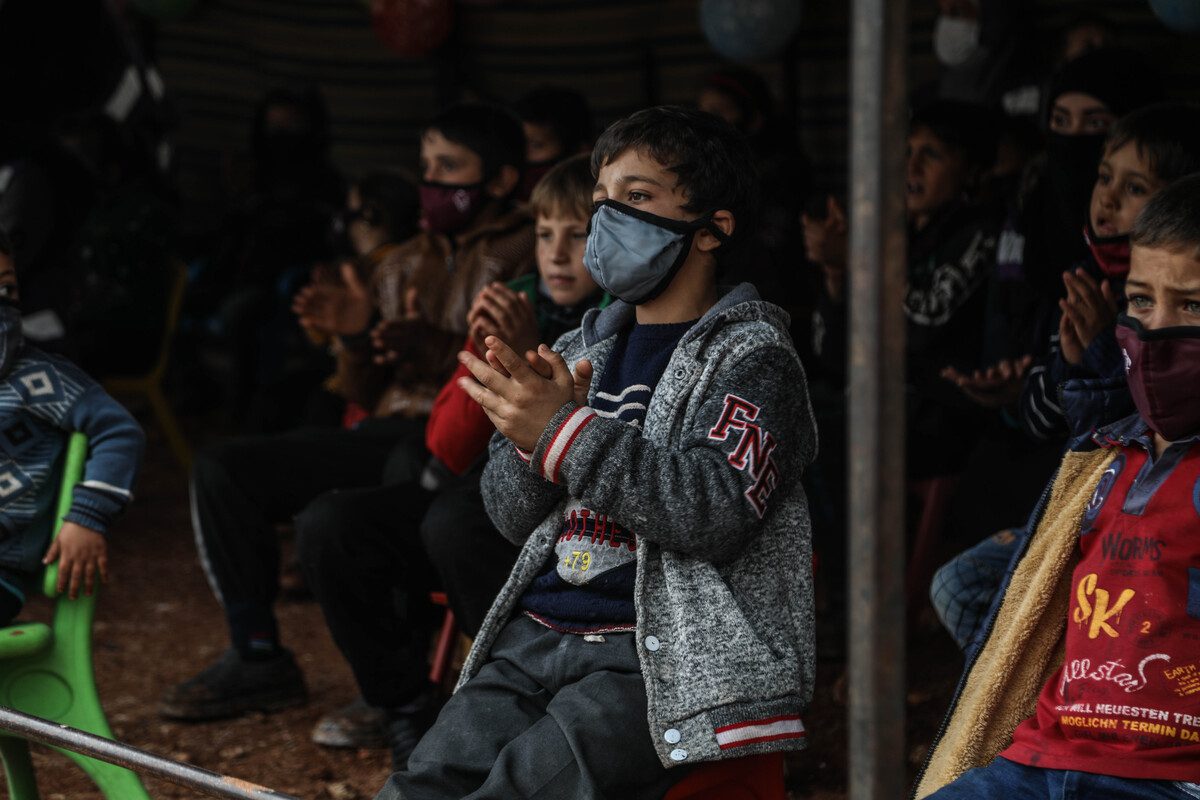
(709, 157)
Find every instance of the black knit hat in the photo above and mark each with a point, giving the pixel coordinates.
(1120, 78)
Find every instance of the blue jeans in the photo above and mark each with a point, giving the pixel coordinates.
(1007, 780)
(962, 590)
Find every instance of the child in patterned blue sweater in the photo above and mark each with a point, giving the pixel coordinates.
(42, 398)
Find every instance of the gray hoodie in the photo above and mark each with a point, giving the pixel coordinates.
(711, 486)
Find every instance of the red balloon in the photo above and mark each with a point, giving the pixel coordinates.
(412, 27)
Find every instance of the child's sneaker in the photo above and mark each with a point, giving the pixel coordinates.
(354, 725)
(233, 686)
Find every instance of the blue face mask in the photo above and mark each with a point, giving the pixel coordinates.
(634, 255)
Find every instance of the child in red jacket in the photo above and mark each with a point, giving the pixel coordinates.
(445, 506)
(471, 558)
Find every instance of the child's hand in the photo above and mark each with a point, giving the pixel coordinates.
(82, 554)
(582, 375)
(1068, 341)
(499, 311)
(998, 386)
(583, 381)
(1088, 310)
(344, 309)
(392, 336)
(479, 324)
(518, 399)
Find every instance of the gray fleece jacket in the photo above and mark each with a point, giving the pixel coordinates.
(711, 486)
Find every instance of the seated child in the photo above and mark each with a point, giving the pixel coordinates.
(951, 251)
(1084, 681)
(660, 612)
(1040, 238)
(43, 398)
(1144, 152)
(359, 554)
(539, 307)
(741, 97)
(397, 333)
(558, 124)
(381, 213)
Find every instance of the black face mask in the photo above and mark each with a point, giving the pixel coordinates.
(11, 338)
(1071, 169)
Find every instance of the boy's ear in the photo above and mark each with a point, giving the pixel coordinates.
(706, 242)
(505, 181)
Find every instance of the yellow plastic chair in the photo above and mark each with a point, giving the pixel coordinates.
(46, 671)
(150, 385)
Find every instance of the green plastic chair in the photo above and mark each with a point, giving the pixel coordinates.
(46, 671)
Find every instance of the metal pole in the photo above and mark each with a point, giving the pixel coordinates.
(876, 422)
(210, 783)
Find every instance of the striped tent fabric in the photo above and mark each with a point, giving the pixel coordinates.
(220, 60)
(623, 54)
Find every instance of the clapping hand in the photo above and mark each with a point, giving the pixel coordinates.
(521, 395)
(392, 337)
(499, 311)
(1087, 311)
(335, 308)
(998, 386)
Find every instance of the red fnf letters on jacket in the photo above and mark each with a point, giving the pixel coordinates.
(753, 451)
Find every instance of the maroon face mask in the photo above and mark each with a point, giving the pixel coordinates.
(1111, 252)
(1163, 370)
(448, 208)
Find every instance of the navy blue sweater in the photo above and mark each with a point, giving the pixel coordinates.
(587, 585)
(43, 398)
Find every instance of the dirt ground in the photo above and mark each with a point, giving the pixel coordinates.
(157, 623)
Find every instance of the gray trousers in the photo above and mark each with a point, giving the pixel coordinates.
(549, 716)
